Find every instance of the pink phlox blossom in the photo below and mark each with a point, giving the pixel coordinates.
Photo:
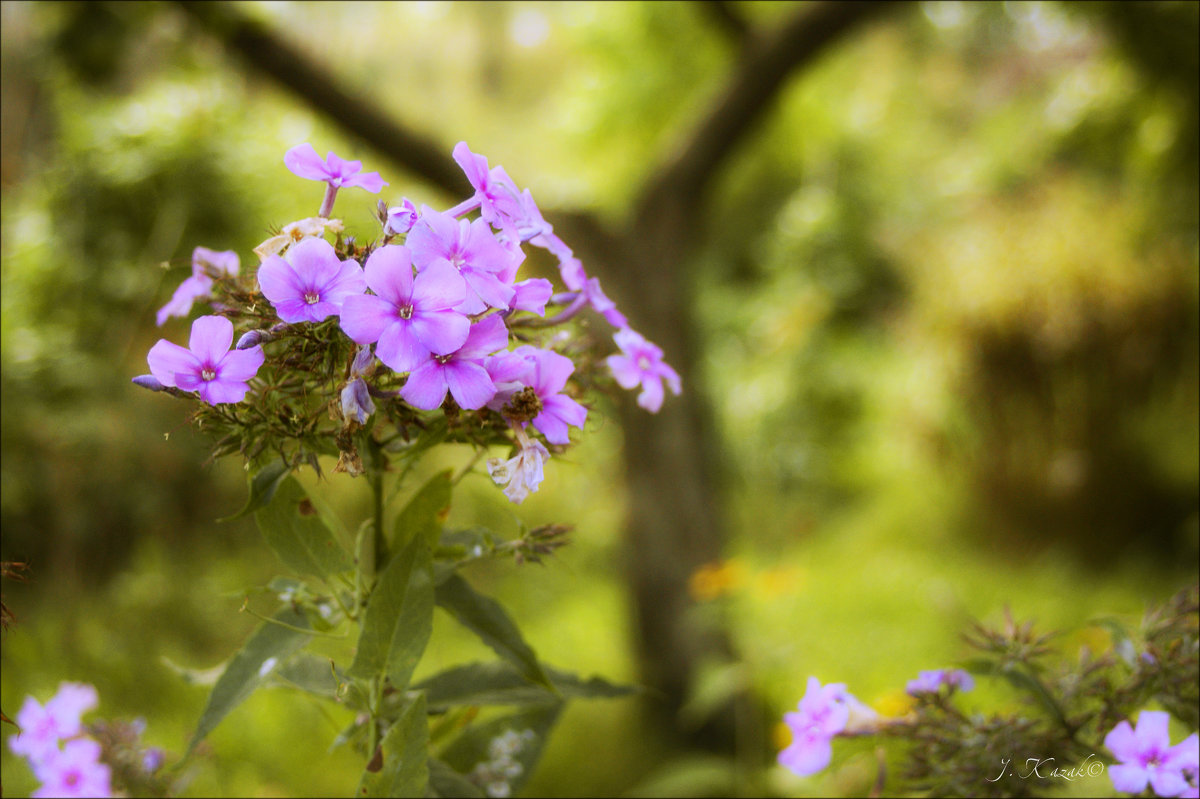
(499, 199)
(1147, 758)
(823, 713)
(930, 682)
(206, 265)
(401, 218)
(311, 283)
(411, 318)
(74, 771)
(42, 727)
(462, 372)
(603, 305)
(532, 295)
(521, 474)
(303, 160)
(640, 362)
(472, 250)
(546, 372)
(207, 365)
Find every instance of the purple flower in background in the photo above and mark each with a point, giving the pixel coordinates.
(1146, 756)
(930, 682)
(411, 318)
(641, 363)
(311, 284)
(474, 253)
(521, 474)
(207, 365)
(75, 770)
(303, 160)
(822, 714)
(401, 218)
(206, 264)
(461, 373)
(41, 728)
(603, 305)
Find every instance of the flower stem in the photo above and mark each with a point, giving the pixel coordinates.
(327, 203)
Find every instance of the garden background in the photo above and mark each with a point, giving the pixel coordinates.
(929, 272)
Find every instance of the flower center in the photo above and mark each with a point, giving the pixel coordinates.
(208, 373)
(406, 311)
(442, 358)
(643, 363)
(312, 297)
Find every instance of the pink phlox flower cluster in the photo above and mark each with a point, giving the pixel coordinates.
(206, 264)
(1146, 757)
(930, 682)
(67, 764)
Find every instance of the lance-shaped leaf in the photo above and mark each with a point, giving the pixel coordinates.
(499, 744)
(425, 512)
(308, 673)
(295, 531)
(499, 683)
(269, 644)
(262, 488)
(399, 617)
(405, 755)
(485, 617)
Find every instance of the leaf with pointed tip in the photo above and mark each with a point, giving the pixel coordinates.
(405, 755)
(295, 531)
(486, 618)
(269, 644)
(499, 683)
(399, 617)
(262, 488)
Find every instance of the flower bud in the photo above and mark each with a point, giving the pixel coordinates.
(148, 381)
(252, 338)
(356, 402)
(401, 218)
(362, 362)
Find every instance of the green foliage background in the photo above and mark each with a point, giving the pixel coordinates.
(950, 302)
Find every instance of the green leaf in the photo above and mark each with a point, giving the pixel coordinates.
(405, 752)
(425, 512)
(499, 683)
(308, 673)
(486, 618)
(296, 533)
(399, 617)
(526, 732)
(448, 783)
(262, 488)
(269, 644)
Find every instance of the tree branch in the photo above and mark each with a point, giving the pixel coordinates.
(759, 77)
(267, 52)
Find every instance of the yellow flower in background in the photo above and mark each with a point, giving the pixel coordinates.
(716, 579)
(781, 736)
(894, 704)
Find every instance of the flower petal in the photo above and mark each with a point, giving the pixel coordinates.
(399, 349)
(438, 286)
(303, 160)
(240, 365)
(487, 335)
(211, 338)
(278, 281)
(443, 332)
(469, 384)
(426, 386)
(364, 317)
(389, 273)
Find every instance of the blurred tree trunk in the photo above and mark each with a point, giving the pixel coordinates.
(676, 517)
